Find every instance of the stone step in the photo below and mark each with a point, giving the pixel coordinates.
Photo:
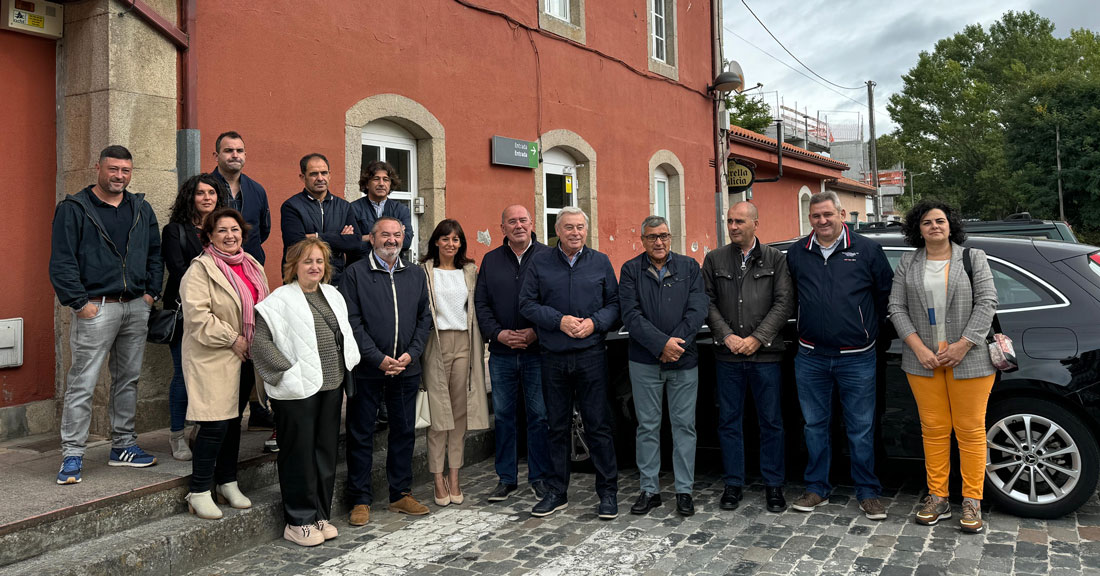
(150, 531)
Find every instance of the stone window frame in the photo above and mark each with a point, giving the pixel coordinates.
(585, 186)
(574, 29)
(804, 195)
(677, 196)
(431, 153)
(669, 67)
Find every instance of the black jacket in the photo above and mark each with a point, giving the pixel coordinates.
(552, 289)
(255, 210)
(178, 256)
(301, 215)
(496, 297)
(654, 311)
(381, 326)
(754, 301)
(84, 263)
(363, 212)
(842, 300)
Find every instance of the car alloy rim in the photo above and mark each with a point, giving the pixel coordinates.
(1032, 459)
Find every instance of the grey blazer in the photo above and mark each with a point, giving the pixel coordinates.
(969, 313)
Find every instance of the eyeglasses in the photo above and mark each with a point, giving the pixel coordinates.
(655, 237)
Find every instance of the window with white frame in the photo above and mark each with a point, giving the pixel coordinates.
(384, 140)
(658, 31)
(559, 186)
(660, 192)
(557, 8)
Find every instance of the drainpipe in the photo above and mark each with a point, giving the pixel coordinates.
(778, 153)
(187, 137)
(719, 148)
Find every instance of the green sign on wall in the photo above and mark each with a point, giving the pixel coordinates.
(512, 152)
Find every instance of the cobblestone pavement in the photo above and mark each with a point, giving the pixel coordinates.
(502, 538)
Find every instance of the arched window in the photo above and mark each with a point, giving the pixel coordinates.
(666, 195)
(566, 177)
(804, 210)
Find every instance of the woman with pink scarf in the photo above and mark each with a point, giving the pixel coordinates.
(219, 293)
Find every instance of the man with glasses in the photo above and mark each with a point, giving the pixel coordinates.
(751, 298)
(663, 305)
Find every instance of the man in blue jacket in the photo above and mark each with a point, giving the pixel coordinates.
(571, 296)
(105, 264)
(843, 283)
(377, 181)
(663, 306)
(514, 362)
(388, 309)
(249, 198)
(316, 212)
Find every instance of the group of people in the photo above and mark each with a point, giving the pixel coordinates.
(354, 317)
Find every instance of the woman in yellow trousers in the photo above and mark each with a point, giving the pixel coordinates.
(944, 318)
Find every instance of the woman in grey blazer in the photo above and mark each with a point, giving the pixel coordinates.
(944, 318)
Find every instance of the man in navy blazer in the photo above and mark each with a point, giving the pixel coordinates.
(572, 297)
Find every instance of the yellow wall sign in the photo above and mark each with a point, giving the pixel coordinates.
(739, 177)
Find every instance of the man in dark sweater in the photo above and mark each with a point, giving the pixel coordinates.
(514, 362)
(663, 305)
(315, 211)
(571, 296)
(105, 264)
(388, 310)
(751, 298)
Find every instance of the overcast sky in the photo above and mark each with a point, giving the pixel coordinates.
(852, 41)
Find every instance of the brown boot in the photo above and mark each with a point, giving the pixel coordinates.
(408, 505)
(360, 515)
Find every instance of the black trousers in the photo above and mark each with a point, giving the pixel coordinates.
(308, 432)
(399, 394)
(217, 445)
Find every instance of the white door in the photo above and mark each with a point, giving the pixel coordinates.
(559, 188)
(384, 140)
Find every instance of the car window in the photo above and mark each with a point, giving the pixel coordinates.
(894, 257)
(1016, 290)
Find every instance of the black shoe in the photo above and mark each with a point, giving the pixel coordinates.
(731, 497)
(684, 505)
(550, 504)
(608, 508)
(540, 489)
(773, 495)
(259, 418)
(646, 502)
(501, 492)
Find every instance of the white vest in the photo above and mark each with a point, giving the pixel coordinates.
(291, 321)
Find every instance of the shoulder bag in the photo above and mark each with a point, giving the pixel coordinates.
(164, 325)
(1001, 351)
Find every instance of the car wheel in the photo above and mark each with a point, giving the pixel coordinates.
(1041, 459)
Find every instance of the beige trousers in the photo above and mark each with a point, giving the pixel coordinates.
(455, 347)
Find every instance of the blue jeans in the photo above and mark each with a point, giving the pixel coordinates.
(177, 392)
(509, 373)
(853, 376)
(764, 378)
(579, 377)
(647, 383)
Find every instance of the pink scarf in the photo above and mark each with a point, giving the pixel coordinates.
(255, 276)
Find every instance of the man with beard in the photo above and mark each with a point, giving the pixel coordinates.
(315, 212)
(388, 309)
(377, 181)
(105, 264)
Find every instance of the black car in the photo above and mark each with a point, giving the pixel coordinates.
(1043, 420)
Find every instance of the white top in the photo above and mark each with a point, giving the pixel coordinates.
(935, 294)
(450, 299)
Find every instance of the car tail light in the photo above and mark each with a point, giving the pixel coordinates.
(1095, 257)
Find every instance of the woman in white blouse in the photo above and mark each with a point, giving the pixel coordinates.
(453, 361)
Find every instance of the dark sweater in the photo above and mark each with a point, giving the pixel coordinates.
(496, 297)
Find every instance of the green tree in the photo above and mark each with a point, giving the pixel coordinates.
(951, 110)
(748, 112)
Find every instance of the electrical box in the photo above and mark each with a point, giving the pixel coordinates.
(34, 17)
(11, 343)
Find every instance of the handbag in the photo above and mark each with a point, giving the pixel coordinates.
(164, 324)
(423, 411)
(1001, 351)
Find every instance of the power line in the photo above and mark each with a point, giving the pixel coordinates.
(792, 54)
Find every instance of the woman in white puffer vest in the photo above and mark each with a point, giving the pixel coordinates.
(304, 350)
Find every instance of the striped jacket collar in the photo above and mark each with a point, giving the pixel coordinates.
(845, 240)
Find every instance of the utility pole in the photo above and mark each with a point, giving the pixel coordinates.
(874, 148)
(1058, 159)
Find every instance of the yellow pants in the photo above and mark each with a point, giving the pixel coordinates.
(945, 404)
